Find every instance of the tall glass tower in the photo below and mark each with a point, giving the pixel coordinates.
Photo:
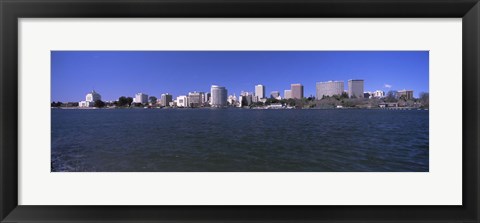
(219, 96)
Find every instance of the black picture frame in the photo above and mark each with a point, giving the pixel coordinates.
(12, 10)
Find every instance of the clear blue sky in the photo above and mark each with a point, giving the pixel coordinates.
(124, 73)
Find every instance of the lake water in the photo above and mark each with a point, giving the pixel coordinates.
(184, 140)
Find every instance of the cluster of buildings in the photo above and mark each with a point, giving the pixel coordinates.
(331, 88)
(355, 90)
(218, 95)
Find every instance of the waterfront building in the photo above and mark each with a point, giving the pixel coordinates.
(218, 96)
(182, 101)
(247, 98)
(329, 89)
(275, 106)
(388, 105)
(202, 98)
(260, 91)
(195, 99)
(207, 98)
(165, 99)
(232, 100)
(378, 94)
(141, 98)
(275, 94)
(367, 94)
(355, 88)
(407, 94)
(240, 99)
(297, 91)
(287, 94)
(90, 99)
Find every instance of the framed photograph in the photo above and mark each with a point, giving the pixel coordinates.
(265, 111)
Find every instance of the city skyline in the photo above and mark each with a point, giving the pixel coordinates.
(126, 73)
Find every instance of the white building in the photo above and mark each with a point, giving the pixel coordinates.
(232, 99)
(287, 94)
(141, 98)
(182, 101)
(165, 99)
(260, 91)
(206, 98)
(219, 96)
(378, 94)
(90, 99)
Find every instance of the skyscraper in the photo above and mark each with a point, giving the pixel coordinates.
(297, 91)
(207, 98)
(329, 89)
(165, 99)
(141, 98)
(219, 96)
(287, 94)
(260, 91)
(355, 88)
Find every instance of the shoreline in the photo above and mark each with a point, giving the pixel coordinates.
(253, 108)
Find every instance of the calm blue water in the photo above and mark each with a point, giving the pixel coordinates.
(180, 140)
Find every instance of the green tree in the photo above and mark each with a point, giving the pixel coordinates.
(122, 101)
(99, 104)
(391, 96)
(56, 104)
(424, 99)
(152, 99)
(129, 101)
(271, 101)
(291, 102)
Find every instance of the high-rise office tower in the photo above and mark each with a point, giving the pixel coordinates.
(355, 88)
(287, 94)
(297, 91)
(260, 91)
(219, 96)
(329, 89)
(165, 99)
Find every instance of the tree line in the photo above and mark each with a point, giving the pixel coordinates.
(349, 102)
